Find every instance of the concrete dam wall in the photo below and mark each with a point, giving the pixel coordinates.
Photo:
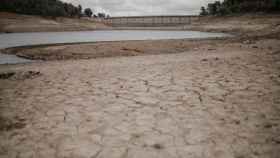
(150, 21)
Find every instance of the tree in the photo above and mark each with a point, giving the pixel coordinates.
(211, 9)
(214, 8)
(242, 6)
(276, 5)
(80, 9)
(203, 11)
(224, 10)
(52, 8)
(88, 12)
(101, 15)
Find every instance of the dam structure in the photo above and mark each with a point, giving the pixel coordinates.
(150, 21)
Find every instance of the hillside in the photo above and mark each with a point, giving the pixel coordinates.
(243, 25)
(11, 22)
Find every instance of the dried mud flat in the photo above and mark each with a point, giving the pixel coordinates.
(221, 103)
(216, 100)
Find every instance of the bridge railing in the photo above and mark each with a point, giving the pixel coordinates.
(150, 20)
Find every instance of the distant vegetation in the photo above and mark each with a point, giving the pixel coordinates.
(240, 6)
(52, 8)
(88, 12)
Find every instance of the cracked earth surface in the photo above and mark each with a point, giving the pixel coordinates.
(218, 104)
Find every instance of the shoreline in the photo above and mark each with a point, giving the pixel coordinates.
(243, 28)
(21, 51)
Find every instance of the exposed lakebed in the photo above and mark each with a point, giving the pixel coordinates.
(39, 38)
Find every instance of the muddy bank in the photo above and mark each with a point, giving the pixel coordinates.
(133, 48)
(111, 49)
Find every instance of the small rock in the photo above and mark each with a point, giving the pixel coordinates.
(27, 75)
(247, 42)
(136, 135)
(146, 82)
(263, 116)
(7, 75)
(237, 122)
(158, 146)
(268, 125)
(275, 53)
(276, 140)
(146, 100)
(256, 153)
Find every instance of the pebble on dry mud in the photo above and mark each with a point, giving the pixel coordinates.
(6, 75)
(158, 146)
(19, 75)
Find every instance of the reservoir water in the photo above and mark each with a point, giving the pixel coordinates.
(26, 39)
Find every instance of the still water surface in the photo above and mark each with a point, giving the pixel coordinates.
(24, 39)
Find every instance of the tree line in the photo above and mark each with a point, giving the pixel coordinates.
(41, 7)
(88, 12)
(227, 7)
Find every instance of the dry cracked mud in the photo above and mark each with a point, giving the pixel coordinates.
(197, 104)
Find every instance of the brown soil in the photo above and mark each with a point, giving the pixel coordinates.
(214, 99)
(112, 49)
(11, 22)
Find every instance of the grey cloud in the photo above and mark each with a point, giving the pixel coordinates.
(143, 7)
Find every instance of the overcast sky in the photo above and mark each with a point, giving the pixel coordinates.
(143, 7)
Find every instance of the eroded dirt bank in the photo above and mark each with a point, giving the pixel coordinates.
(11, 22)
(215, 99)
